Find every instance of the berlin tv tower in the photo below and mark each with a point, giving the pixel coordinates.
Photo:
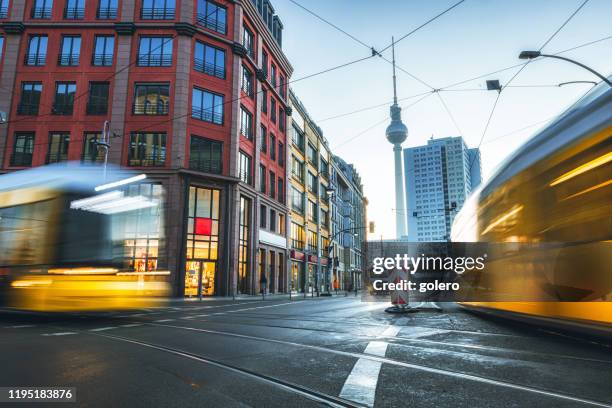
(396, 133)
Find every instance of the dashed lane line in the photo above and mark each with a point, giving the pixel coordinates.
(59, 334)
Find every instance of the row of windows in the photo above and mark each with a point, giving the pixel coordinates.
(145, 149)
(268, 181)
(271, 220)
(269, 145)
(209, 14)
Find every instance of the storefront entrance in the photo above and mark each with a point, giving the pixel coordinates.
(200, 278)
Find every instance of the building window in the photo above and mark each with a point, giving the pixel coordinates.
(273, 110)
(244, 244)
(264, 139)
(98, 98)
(262, 178)
(247, 41)
(281, 224)
(209, 60)
(155, 52)
(247, 82)
(58, 147)
(144, 228)
(272, 147)
(104, 48)
(204, 207)
(297, 138)
(281, 119)
(312, 183)
(246, 123)
(37, 50)
(3, 10)
(324, 171)
(264, 100)
(23, 149)
(64, 98)
(297, 236)
(263, 215)
(282, 86)
(272, 220)
(151, 99)
(42, 9)
(272, 184)
(157, 10)
(312, 155)
(264, 62)
(205, 155)
(212, 16)
(107, 10)
(313, 242)
(313, 213)
(147, 149)
(75, 9)
(244, 168)
(70, 52)
(30, 98)
(207, 106)
(91, 152)
(281, 154)
(297, 200)
(281, 191)
(297, 169)
(273, 75)
(324, 218)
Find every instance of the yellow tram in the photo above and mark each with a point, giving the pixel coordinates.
(553, 198)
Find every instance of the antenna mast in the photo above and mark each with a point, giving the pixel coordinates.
(394, 85)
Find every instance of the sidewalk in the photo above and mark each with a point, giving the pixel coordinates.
(272, 296)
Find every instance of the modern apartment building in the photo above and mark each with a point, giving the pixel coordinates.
(196, 96)
(439, 176)
(348, 225)
(310, 163)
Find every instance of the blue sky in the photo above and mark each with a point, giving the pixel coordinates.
(477, 37)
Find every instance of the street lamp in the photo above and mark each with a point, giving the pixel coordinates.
(529, 55)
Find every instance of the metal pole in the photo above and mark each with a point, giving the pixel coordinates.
(592, 71)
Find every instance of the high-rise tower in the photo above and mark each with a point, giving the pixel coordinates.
(396, 133)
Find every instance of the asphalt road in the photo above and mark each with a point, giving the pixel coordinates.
(316, 352)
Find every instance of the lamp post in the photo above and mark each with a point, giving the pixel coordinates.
(528, 55)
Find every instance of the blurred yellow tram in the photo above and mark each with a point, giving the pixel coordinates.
(553, 198)
(64, 233)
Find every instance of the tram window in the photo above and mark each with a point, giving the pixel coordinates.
(23, 233)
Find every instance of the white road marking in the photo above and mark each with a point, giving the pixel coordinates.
(99, 329)
(221, 313)
(59, 334)
(391, 331)
(377, 348)
(188, 317)
(164, 320)
(132, 325)
(416, 332)
(21, 326)
(202, 315)
(360, 385)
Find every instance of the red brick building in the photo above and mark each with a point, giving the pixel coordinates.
(196, 95)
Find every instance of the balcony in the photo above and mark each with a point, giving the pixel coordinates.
(207, 68)
(96, 109)
(203, 165)
(207, 115)
(149, 60)
(41, 12)
(151, 108)
(68, 60)
(21, 159)
(106, 13)
(35, 59)
(148, 160)
(102, 60)
(211, 22)
(3, 12)
(157, 13)
(62, 109)
(27, 109)
(74, 13)
(56, 158)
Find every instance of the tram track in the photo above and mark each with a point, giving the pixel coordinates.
(402, 364)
